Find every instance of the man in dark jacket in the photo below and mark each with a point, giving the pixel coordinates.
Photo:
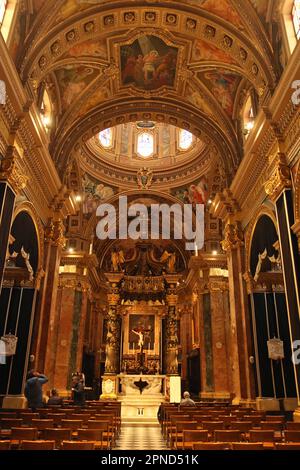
(33, 389)
(78, 391)
(55, 399)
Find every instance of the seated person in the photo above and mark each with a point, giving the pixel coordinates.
(78, 393)
(55, 399)
(187, 401)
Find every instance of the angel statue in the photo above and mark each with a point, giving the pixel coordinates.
(170, 259)
(117, 260)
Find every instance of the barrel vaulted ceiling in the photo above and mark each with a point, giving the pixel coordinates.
(214, 52)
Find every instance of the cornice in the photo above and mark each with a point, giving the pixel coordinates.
(165, 179)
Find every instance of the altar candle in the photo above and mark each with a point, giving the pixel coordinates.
(196, 250)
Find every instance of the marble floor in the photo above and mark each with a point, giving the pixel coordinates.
(140, 438)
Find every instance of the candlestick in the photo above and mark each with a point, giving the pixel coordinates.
(196, 250)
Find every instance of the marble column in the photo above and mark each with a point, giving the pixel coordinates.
(54, 243)
(112, 344)
(279, 190)
(219, 341)
(71, 307)
(240, 332)
(172, 334)
(113, 337)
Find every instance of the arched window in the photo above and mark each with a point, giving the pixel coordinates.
(105, 138)
(46, 111)
(296, 17)
(248, 116)
(185, 139)
(291, 20)
(3, 5)
(145, 144)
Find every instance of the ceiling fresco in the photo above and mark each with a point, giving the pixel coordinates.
(185, 59)
(72, 80)
(91, 47)
(203, 50)
(148, 63)
(222, 84)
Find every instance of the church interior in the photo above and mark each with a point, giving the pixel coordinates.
(153, 103)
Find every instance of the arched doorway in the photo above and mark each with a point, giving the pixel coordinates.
(275, 379)
(17, 303)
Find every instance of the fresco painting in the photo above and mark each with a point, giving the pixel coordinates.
(69, 7)
(223, 9)
(203, 50)
(148, 63)
(195, 98)
(87, 48)
(195, 193)
(94, 99)
(223, 85)
(72, 80)
(95, 192)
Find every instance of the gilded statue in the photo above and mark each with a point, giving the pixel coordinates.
(170, 260)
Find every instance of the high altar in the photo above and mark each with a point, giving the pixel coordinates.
(141, 368)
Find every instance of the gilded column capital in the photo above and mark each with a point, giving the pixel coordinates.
(280, 178)
(113, 298)
(233, 237)
(74, 282)
(11, 173)
(59, 233)
(215, 286)
(49, 231)
(172, 299)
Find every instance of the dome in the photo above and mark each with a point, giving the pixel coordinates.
(135, 143)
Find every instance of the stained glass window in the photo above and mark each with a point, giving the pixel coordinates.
(105, 138)
(3, 5)
(185, 139)
(145, 144)
(296, 17)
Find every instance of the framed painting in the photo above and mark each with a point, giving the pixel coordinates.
(148, 63)
(141, 324)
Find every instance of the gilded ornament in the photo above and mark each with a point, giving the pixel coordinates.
(209, 31)
(191, 24)
(12, 174)
(150, 16)
(108, 20)
(71, 35)
(233, 237)
(279, 180)
(89, 27)
(129, 17)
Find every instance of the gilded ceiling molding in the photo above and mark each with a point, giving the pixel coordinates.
(11, 172)
(280, 178)
(255, 27)
(209, 27)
